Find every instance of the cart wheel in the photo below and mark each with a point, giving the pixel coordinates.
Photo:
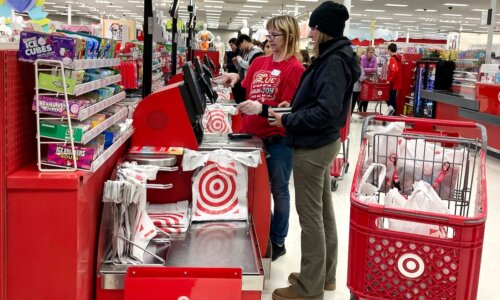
(334, 185)
(354, 297)
(347, 168)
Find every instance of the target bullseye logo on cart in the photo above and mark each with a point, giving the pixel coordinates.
(216, 121)
(411, 265)
(183, 298)
(379, 93)
(216, 185)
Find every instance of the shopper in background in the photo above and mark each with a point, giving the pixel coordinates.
(267, 48)
(319, 110)
(369, 66)
(306, 59)
(237, 90)
(394, 76)
(272, 80)
(250, 51)
(369, 61)
(229, 66)
(356, 90)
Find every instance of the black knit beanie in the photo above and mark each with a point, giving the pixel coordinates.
(330, 18)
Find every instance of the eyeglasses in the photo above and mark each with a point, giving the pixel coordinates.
(272, 36)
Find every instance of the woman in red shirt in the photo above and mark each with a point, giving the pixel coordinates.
(270, 81)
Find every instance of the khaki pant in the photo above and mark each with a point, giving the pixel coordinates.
(313, 201)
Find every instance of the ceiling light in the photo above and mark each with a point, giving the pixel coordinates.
(292, 6)
(366, 21)
(248, 10)
(427, 24)
(479, 9)
(473, 19)
(50, 10)
(258, 1)
(404, 15)
(122, 10)
(427, 28)
(383, 18)
(452, 15)
(455, 4)
(375, 10)
(307, 0)
(58, 6)
(83, 13)
(51, 3)
(396, 5)
(469, 24)
(244, 14)
(213, 6)
(252, 6)
(364, 27)
(133, 1)
(114, 6)
(426, 10)
(213, 10)
(213, 1)
(447, 26)
(126, 13)
(357, 15)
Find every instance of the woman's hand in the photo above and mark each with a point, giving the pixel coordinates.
(250, 107)
(284, 104)
(277, 121)
(228, 79)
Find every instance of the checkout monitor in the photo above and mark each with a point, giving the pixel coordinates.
(209, 63)
(204, 79)
(194, 100)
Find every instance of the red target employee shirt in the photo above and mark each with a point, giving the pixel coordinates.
(270, 83)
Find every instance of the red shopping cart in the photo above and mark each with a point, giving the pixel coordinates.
(389, 264)
(378, 91)
(340, 165)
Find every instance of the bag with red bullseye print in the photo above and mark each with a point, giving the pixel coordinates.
(217, 118)
(220, 186)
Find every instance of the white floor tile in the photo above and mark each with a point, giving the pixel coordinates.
(488, 282)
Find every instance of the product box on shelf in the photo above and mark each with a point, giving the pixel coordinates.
(61, 155)
(55, 83)
(61, 130)
(37, 45)
(57, 106)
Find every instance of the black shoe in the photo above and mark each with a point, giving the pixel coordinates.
(277, 251)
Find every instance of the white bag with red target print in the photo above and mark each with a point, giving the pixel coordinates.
(220, 186)
(217, 118)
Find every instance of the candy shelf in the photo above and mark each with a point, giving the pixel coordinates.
(94, 132)
(98, 162)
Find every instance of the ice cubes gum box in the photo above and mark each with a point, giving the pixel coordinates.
(37, 45)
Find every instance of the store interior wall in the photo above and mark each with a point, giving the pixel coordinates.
(75, 20)
(225, 35)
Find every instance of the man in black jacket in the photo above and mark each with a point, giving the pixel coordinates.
(319, 110)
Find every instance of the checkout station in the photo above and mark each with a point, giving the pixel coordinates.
(218, 259)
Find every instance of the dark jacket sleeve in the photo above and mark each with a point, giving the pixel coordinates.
(330, 85)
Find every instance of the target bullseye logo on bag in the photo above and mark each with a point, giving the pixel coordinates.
(216, 189)
(217, 121)
(220, 187)
(411, 265)
(216, 118)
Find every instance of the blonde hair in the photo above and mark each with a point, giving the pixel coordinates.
(370, 48)
(322, 37)
(290, 28)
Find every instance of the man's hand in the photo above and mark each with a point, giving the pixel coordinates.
(284, 104)
(277, 121)
(227, 79)
(250, 107)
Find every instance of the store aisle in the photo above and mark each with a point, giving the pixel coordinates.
(290, 262)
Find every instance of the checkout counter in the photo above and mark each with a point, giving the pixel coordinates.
(212, 260)
(482, 107)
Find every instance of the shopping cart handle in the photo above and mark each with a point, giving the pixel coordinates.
(427, 122)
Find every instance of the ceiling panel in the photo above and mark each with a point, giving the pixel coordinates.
(420, 17)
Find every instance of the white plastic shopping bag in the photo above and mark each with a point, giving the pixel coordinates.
(217, 118)
(220, 186)
(385, 140)
(424, 199)
(367, 192)
(418, 159)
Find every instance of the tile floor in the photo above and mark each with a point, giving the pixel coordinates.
(291, 261)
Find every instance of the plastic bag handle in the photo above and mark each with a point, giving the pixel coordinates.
(369, 171)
